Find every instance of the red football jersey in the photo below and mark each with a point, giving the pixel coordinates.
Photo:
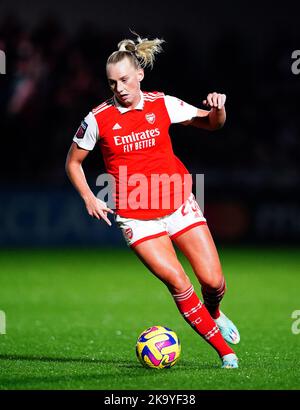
(150, 181)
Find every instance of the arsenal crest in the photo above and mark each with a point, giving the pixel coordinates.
(128, 232)
(150, 117)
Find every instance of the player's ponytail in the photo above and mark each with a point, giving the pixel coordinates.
(141, 52)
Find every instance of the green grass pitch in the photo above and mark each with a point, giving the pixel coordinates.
(73, 317)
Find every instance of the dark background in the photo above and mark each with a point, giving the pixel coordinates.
(55, 74)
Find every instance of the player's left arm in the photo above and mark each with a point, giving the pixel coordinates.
(213, 119)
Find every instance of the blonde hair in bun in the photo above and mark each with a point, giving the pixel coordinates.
(141, 52)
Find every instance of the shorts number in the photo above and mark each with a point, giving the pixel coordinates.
(193, 204)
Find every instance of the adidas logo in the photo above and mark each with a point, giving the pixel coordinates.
(117, 127)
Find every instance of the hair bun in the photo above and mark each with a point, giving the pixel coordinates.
(127, 45)
(141, 52)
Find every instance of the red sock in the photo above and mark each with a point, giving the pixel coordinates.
(196, 314)
(212, 298)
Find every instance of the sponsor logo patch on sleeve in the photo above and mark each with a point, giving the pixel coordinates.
(81, 130)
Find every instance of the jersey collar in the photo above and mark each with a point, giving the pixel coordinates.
(122, 109)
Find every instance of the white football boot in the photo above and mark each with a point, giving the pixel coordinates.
(230, 361)
(228, 329)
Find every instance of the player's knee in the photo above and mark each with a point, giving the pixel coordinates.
(178, 282)
(213, 281)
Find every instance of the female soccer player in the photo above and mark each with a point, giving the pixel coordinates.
(154, 204)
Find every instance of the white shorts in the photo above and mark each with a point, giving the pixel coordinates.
(184, 218)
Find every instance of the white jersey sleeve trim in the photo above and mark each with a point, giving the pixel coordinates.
(87, 134)
(178, 110)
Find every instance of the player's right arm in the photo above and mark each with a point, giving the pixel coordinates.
(83, 142)
(95, 207)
